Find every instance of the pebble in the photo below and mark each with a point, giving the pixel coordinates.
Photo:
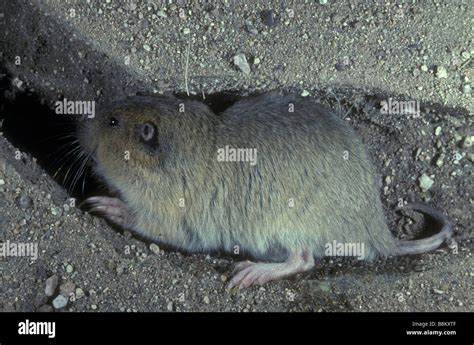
(79, 293)
(147, 47)
(56, 211)
(268, 17)
(51, 285)
(250, 28)
(323, 2)
(340, 67)
(186, 31)
(325, 287)
(155, 249)
(426, 182)
(440, 160)
(439, 292)
(207, 300)
(17, 83)
(223, 278)
(466, 55)
(93, 306)
(2, 182)
(441, 72)
(162, 14)
(69, 269)
(241, 62)
(424, 68)
(60, 302)
(467, 89)
(437, 131)
(24, 201)
(67, 288)
(305, 93)
(467, 141)
(169, 307)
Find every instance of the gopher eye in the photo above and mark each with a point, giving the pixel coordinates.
(147, 131)
(114, 122)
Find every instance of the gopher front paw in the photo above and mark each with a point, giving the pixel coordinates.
(112, 209)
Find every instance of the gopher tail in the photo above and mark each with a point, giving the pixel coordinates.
(432, 242)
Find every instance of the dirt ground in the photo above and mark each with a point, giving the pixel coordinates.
(349, 55)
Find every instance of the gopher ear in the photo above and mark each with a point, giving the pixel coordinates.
(147, 131)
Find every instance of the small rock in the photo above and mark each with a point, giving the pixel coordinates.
(169, 307)
(207, 300)
(56, 211)
(340, 67)
(304, 93)
(147, 47)
(325, 287)
(24, 201)
(440, 160)
(437, 131)
(186, 31)
(93, 306)
(256, 61)
(425, 182)
(2, 182)
(323, 2)
(250, 28)
(69, 269)
(466, 89)
(268, 17)
(162, 14)
(416, 72)
(457, 157)
(79, 293)
(67, 288)
(51, 285)
(17, 83)
(439, 292)
(155, 249)
(223, 278)
(441, 72)
(424, 68)
(60, 302)
(467, 141)
(241, 62)
(466, 55)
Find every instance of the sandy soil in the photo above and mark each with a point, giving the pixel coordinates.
(349, 55)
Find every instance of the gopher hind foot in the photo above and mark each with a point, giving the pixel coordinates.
(249, 273)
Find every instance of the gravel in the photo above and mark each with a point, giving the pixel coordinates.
(379, 45)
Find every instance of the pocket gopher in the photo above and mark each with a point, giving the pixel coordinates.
(276, 177)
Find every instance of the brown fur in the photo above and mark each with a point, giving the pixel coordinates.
(308, 156)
